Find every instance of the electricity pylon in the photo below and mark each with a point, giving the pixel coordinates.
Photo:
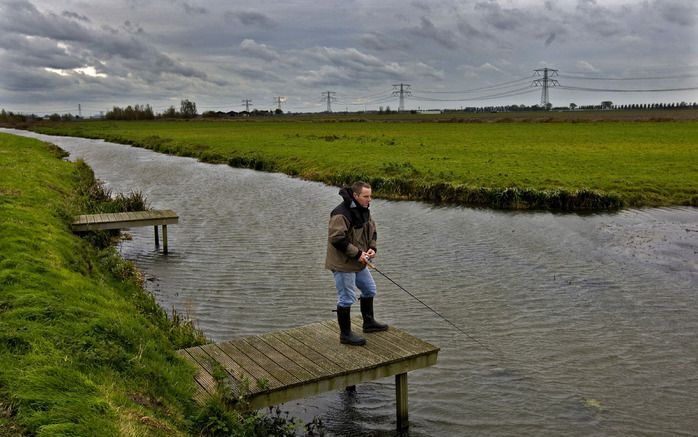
(545, 82)
(279, 100)
(402, 90)
(329, 96)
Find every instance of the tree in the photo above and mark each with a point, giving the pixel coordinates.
(187, 109)
(573, 106)
(170, 112)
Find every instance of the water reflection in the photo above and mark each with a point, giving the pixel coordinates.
(591, 318)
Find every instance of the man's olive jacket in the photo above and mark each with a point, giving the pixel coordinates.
(351, 231)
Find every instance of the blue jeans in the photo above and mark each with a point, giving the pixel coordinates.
(348, 282)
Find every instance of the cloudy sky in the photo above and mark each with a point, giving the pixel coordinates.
(98, 54)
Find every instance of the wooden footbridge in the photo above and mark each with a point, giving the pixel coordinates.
(281, 366)
(125, 220)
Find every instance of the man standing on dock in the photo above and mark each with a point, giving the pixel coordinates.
(351, 244)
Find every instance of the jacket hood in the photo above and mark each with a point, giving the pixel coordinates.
(348, 197)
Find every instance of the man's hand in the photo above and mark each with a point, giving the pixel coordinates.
(367, 256)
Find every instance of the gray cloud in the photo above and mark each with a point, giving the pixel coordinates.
(500, 18)
(356, 62)
(597, 19)
(426, 29)
(678, 12)
(217, 55)
(471, 31)
(549, 40)
(255, 49)
(380, 42)
(194, 10)
(105, 43)
(250, 18)
(75, 16)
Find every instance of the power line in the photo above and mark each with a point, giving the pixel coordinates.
(510, 93)
(247, 103)
(499, 85)
(607, 90)
(684, 76)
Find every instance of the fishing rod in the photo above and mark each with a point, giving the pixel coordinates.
(370, 265)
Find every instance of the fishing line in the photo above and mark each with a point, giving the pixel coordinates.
(503, 359)
(373, 266)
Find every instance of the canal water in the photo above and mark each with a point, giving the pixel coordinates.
(588, 322)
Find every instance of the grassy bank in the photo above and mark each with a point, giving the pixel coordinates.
(84, 350)
(502, 164)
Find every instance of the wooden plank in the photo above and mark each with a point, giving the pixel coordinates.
(329, 348)
(387, 340)
(256, 372)
(313, 369)
(281, 360)
(203, 375)
(200, 394)
(238, 373)
(363, 356)
(380, 348)
(245, 345)
(400, 338)
(327, 365)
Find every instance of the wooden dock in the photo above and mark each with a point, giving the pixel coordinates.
(124, 220)
(281, 366)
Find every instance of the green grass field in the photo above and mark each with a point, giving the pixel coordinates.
(501, 164)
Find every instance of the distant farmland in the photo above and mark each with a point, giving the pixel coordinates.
(517, 160)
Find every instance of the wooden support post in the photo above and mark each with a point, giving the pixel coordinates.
(401, 401)
(157, 238)
(164, 238)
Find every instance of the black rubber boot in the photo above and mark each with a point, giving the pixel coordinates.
(370, 324)
(345, 334)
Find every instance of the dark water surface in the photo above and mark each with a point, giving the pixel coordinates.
(592, 318)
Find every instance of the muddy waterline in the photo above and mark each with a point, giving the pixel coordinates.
(593, 318)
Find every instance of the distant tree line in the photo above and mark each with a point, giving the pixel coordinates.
(605, 105)
(11, 117)
(254, 112)
(138, 112)
(639, 106)
(187, 109)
